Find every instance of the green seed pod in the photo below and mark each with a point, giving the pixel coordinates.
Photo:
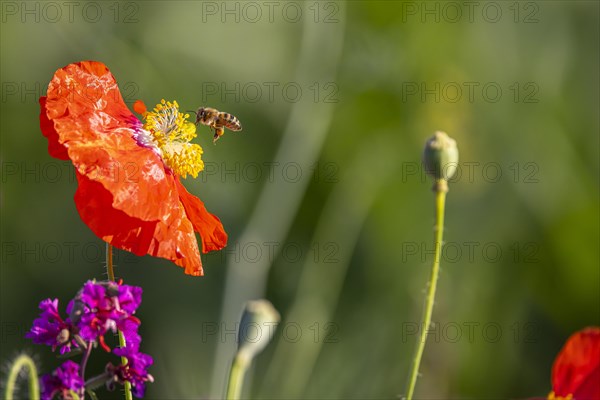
(440, 157)
(257, 328)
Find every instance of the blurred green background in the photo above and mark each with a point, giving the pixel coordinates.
(328, 214)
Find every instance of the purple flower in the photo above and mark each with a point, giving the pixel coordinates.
(50, 329)
(64, 380)
(136, 369)
(95, 313)
(100, 307)
(96, 309)
(129, 327)
(130, 298)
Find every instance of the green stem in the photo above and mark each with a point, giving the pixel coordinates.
(440, 189)
(236, 377)
(110, 269)
(111, 276)
(21, 362)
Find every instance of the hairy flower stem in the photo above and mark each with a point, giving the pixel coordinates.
(21, 362)
(111, 276)
(236, 377)
(84, 360)
(440, 188)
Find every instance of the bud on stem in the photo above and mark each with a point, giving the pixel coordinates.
(440, 159)
(256, 331)
(256, 328)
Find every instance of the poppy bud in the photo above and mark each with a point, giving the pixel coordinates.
(257, 327)
(440, 157)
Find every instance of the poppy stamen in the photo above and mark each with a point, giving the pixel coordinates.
(171, 133)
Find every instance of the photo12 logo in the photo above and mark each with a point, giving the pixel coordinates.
(269, 92)
(471, 332)
(470, 92)
(253, 12)
(470, 172)
(291, 332)
(30, 92)
(51, 172)
(269, 171)
(30, 252)
(472, 252)
(452, 12)
(12, 330)
(125, 12)
(289, 252)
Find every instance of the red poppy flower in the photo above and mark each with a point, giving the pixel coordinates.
(129, 192)
(576, 370)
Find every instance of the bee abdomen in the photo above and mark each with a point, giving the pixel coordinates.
(231, 122)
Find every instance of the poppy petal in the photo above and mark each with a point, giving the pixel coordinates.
(576, 366)
(97, 129)
(56, 149)
(139, 107)
(206, 224)
(590, 387)
(172, 237)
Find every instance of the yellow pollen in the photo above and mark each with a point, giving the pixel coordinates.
(172, 133)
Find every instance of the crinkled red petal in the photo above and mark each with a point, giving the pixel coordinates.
(209, 226)
(172, 237)
(577, 367)
(98, 130)
(56, 149)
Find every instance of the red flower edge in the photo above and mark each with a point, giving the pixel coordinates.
(576, 369)
(126, 194)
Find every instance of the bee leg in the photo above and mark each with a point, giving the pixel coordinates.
(219, 131)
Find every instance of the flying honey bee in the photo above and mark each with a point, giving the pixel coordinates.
(218, 121)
